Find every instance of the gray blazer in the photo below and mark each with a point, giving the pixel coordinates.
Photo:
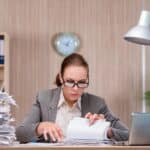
(45, 109)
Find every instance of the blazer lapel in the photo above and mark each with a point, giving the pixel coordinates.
(84, 104)
(53, 102)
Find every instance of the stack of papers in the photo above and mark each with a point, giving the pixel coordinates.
(80, 131)
(7, 131)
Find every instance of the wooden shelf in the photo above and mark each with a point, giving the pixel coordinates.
(1, 65)
(3, 68)
(1, 74)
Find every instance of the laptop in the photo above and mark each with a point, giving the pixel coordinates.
(140, 129)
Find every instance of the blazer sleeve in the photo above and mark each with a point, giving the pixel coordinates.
(119, 129)
(26, 131)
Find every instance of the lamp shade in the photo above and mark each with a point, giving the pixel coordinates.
(140, 34)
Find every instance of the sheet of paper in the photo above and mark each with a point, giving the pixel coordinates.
(79, 128)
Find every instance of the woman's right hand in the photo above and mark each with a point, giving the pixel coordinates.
(50, 129)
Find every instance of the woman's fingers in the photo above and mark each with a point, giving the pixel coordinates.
(60, 133)
(88, 115)
(53, 135)
(50, 130)
(93, 117)
(45, 135)
(101, 116)
(57, 133)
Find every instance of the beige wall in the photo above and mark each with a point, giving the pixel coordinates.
(115, 71)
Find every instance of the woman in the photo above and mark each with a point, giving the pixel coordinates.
(53, 109)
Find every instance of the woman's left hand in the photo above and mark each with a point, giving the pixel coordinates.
(94, 117)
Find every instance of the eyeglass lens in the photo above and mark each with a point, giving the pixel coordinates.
(72, 83)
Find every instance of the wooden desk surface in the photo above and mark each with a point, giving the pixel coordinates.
(71, 147)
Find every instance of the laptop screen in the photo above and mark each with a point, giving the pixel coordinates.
(140, 129)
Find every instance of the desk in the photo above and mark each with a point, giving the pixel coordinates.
(72, 147)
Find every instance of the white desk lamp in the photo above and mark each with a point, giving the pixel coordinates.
(140, 34)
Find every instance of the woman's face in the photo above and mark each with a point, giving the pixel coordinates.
(77, 74)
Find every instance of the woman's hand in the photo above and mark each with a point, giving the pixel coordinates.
(50, 129)
(94, 117)
(109, 133)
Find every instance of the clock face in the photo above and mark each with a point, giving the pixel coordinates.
(66, 43)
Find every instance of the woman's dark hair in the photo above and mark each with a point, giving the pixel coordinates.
(72, 60)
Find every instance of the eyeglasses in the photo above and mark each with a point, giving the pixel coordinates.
(80, 84)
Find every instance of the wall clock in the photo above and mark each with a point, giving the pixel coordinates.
(66, 43)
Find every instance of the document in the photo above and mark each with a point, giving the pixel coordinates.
(7, 131)
(80, 130)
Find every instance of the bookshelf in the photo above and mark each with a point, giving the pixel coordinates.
(4, 46)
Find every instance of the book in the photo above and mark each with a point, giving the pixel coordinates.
(1, 49)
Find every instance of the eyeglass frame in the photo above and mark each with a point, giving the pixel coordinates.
(75, 83)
